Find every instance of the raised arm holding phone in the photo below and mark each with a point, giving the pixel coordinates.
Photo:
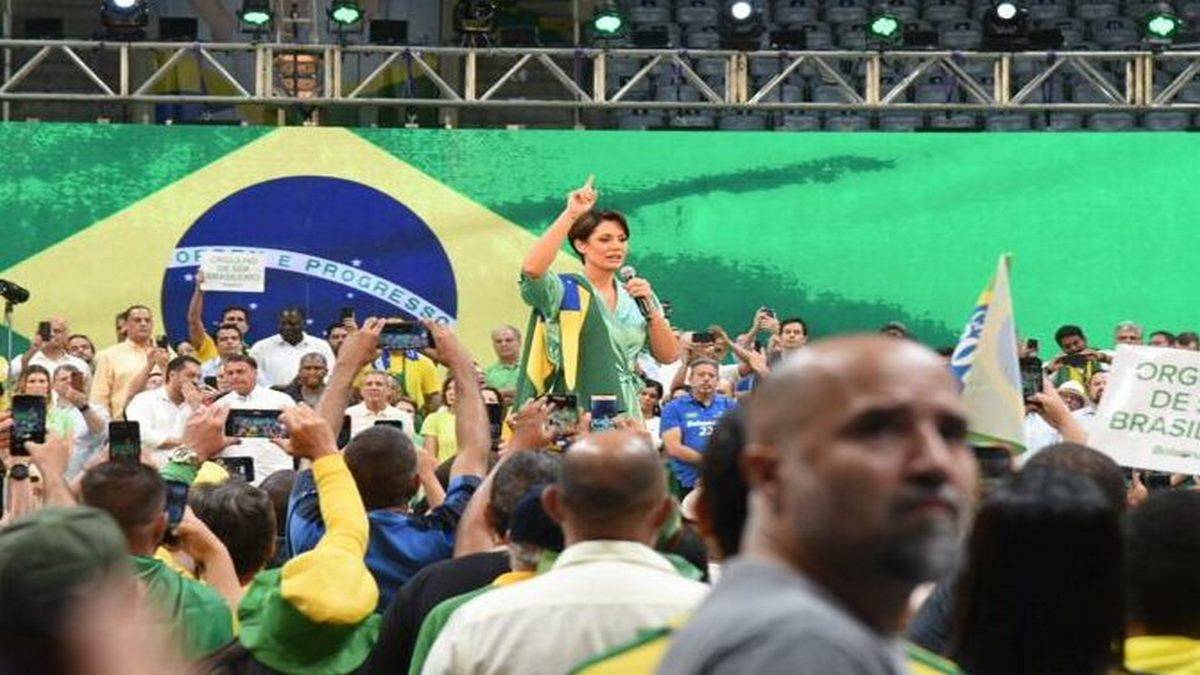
(578, 319)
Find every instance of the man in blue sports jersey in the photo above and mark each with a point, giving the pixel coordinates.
(689, 420)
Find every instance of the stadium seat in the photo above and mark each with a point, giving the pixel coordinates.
(1072, 30)
(1190, 12)
(1167, 121)
(1008, 122)
(852, 36)
(959, 121)
(743, 122)
(1136, 10)
(1111, 121)
(1190, 93)
(828, 93)
(649, 12)
(793, 12)
(691, 13)
(694, 119)
(702, 38)
(935, 93)
(1093, 10)
(1064, 121)
(901, 121)
(940, 11)
(798, 122)
(640, 119)
(963, 35)
(1047, 11)
(818, 36)
(846, 11)
(848, 121)
(766, 67)
(1114, 32)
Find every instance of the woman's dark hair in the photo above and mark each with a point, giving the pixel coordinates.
(1043, 589)
(32, 369)
(725, 492)
(648, 383)
(585, 225)
(1162, 547)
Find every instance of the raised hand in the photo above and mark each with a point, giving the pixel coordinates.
(582, 200)
(309, 436)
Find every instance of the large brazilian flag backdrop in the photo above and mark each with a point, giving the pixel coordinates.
(849, 231)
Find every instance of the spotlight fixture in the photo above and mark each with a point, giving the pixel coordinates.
(608, 22)
(475, 21)
(345, 13)
(1006, 28)
(256, 15)
(124, 14)
(886, 29)
(1160, 27)
(740, 26)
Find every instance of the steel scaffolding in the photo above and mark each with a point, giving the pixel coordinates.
(863, 80)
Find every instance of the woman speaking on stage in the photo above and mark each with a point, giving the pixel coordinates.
(586, 331)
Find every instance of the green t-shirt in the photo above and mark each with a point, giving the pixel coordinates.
(501, 376)
(197, 612)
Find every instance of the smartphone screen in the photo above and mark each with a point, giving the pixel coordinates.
(239, 466)
(398, 424)
(29, 423)
(124, 442)
(564, 412)
(495, 413)
(604, 412)
(347, 313)
(1076, 360)
(177, 494)
(211, 381)
(254, 424)
(404, 335)
(1032, 345)
(1031, 376)
(161, 341)
(767, 311)
(701, 337)
(44, 331)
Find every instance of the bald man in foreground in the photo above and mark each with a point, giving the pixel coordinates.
(606, 585)
(860, 487)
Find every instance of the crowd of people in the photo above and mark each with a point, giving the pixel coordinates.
(757, 504)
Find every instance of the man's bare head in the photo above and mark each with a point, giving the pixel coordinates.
(858, 460)
(612, 487)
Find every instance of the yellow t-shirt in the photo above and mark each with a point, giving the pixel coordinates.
(420, 376)
(1163, 654)
(206, 350)
(440, 425)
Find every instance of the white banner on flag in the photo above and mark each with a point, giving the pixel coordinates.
(1149, 417)
(241, 271)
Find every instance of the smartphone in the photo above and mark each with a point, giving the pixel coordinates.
(78, 382)
(767, 311)
(995, 464)
(495, 414)
(564, 411)
(343, 438)
(44, 331)
(1031, 376)
(1031, 345)
(29, 423)
(124, 442)
(347, 313)
(666, 308)
(211, 381)
(399, 424)
(161, 341)
(249, 423)
(1156, 480)
(177, 499)
(1076, 360)
(404, 335)
(703, 337)
(239, 466)
(604, 412)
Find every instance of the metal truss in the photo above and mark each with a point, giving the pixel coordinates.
(317, 75)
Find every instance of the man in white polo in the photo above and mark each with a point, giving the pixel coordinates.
(162, 412)
(241, 376)
(374, 389)
(279, 355)
(52, 353)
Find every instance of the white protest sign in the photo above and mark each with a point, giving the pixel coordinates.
(1149, 416)
(233, 271)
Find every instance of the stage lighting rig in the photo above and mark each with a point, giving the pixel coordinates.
(475, 21)
(608, 22)
(125, 19)
(740, 26)
(256, 15)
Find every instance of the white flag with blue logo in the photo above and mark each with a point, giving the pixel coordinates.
(985, 362)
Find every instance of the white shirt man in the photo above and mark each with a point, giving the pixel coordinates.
(241, 375)
(53, 353)
(279, 356)
(161, 413)
(374, 406)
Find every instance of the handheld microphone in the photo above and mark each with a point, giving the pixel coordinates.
(625, 274)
